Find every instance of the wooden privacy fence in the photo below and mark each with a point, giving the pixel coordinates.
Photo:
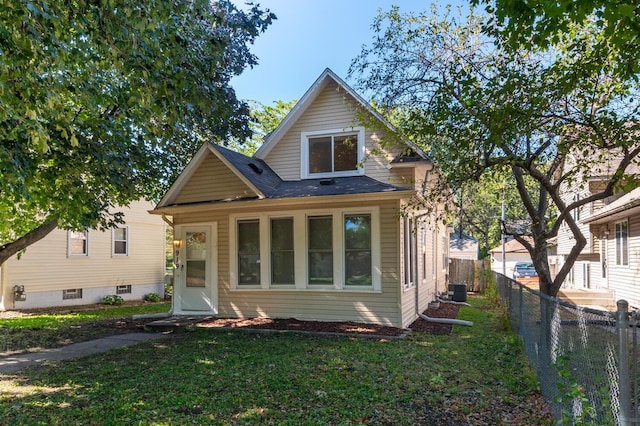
(474, 273)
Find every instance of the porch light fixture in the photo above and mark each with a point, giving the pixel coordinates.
(177, 243)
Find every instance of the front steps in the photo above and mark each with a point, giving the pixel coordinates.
(600, 299)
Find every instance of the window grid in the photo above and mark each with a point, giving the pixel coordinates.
(123, 289)
(75, 293)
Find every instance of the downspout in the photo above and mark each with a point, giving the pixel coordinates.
(421, 315)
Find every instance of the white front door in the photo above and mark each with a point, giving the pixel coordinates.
(197, 257)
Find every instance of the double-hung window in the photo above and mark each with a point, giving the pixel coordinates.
(409, 243)
(320, 237)
(249, 252)
(622, 243)
(357, 246)
(282, 251)
(329, 153)
(78, 243)
(120, 241)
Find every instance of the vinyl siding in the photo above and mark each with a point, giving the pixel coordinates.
(625, 280)
(45, 265)
(332, 109)
(322, 305)
(213, 180)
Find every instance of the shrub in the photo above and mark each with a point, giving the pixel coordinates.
(112, 299)
(151, 297)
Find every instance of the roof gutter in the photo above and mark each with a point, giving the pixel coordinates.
(281, 202)
(596, 218)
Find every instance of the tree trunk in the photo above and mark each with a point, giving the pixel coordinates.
(10, 249)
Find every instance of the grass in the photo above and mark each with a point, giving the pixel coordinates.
(39, 331)
(478, 375)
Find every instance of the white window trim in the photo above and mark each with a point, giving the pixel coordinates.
(304, 149)
(300, 250)
(615, 239)
(408, 250)
(113, 242)
(69, 254)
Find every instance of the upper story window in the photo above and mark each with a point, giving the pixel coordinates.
(120, 241)
(78, 243)
(330, 153)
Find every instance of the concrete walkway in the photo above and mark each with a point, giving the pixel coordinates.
(14, 363)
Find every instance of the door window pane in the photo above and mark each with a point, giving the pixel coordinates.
(249, 252)
(320, 250)
(196, 253)
(282, 257)
(357, 244)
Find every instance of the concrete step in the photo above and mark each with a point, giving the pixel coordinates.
(585, 297)
(174, 323)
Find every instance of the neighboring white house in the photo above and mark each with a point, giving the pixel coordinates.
(463, 246)
(514, 252)
(71, 268)
(310, 227)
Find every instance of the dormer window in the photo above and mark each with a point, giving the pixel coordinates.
(330, 153)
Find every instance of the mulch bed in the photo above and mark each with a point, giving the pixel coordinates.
(445, 310)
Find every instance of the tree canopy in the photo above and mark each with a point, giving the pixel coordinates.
(102, 103)
(542, 23)
(264, 120)
(479, 106)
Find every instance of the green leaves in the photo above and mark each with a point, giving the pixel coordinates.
(104, 103)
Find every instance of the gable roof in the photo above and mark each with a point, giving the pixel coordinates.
(267, 184)
(513, 246)
(226, 158)
(307, 99)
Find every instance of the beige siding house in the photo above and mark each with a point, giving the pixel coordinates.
(68, 268)
(314, 226)
(610, 262)
(614, 262)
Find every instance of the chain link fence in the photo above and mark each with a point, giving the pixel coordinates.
(586, 359)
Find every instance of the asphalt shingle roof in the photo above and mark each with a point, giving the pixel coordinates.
(272, 186)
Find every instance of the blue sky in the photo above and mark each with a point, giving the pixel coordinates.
(307, 37)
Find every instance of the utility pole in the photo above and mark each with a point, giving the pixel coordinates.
(502, 226)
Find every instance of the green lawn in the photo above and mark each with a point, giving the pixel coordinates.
(40, 330)
(478, 375)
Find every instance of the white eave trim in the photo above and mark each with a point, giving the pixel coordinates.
(280, 202)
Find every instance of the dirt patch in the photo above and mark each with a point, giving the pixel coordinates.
(445, 310)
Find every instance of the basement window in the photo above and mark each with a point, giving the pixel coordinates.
(75, 293)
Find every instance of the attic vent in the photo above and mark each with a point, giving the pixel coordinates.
(327, 181)
(255, 168)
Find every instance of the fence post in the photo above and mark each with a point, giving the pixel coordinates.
(622, 324)
(520, 312)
